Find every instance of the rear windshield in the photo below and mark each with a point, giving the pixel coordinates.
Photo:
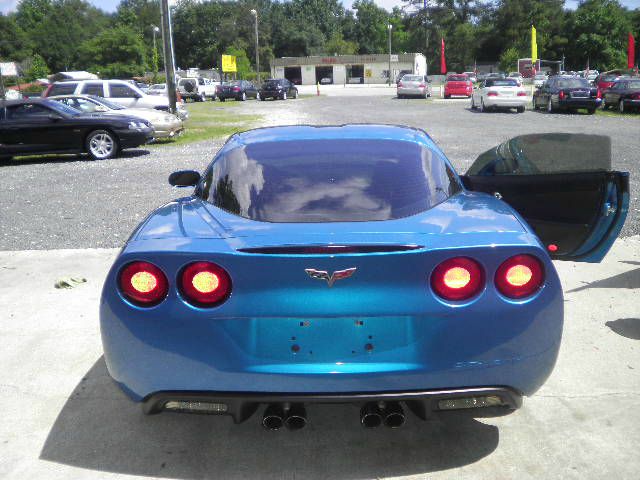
(608, 78)
(413, 78)
(504, 82)
(573, 83)
(271, 83)
(328, 181)
(457, 78)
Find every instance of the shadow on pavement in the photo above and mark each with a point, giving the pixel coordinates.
(101, 429)
(627, 327)
(629, 279)
(67, 158)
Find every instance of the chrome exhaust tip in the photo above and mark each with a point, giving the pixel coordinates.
(273, 417)
(393, 415)
(296, 417)
(371, 415)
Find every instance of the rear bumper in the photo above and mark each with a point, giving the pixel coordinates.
(580, 103)
(458, 92)
(506, 102)
(242, 406)
(412, 91)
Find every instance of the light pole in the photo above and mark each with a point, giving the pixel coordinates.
(169, 63)
(155, 52)
(255, 15)
(389, 27)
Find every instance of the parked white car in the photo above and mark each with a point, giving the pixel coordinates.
(497, 93)
(158, 89)
(197, 88)
(118, 91)
(165, 125)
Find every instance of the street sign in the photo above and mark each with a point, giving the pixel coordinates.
(8, 69)
(229, 63)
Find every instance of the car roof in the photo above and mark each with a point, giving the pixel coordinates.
(9, 103)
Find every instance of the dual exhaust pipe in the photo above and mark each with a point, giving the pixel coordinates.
(294, 416)
(391, 414)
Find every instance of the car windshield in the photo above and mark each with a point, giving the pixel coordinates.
(328, 181)
(235, 83)
(633, 84)
(412, 78)
(505, 82)
(62, 108)
(457, 78)
(573, 83)
(107, 103)
(271, 83)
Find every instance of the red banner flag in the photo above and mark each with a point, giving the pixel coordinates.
(631, 52)
(443, 62)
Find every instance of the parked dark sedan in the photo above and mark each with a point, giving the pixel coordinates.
(567, 93)
(278, 88)
(39, 126)
(238, 90)
(623, 95)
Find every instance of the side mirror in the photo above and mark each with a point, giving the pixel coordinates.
(54, 117)
(184, 178)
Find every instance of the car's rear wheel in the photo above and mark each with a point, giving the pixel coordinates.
(258, 96)
(520, 109)
(473, 103)
(591, 111)
(621, 106)
(203, 97)
(549, 106)
(295, 94)
(101, 144)
(482, 107)
(222, 99)
(535, 104)
(5, 158)
(284, 95)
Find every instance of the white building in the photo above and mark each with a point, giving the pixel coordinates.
(341, 69)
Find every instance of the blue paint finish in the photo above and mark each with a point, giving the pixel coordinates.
(383, 329)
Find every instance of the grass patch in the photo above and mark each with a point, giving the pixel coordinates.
(615, 113)
(208, 120)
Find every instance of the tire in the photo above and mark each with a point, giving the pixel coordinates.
(483, 109)
(620, 106)
(258, 96)
(473, 103)
(549, 106)
(284, 95)
(101, 145)
(5, 158)
(447, 96)
(222, 99)
(534, 103)
(591, 111)
(203, 97)
(243, 97)
(520, 109)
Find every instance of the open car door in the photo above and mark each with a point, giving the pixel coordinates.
(563, 186)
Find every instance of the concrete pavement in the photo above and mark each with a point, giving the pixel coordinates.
(63, 418)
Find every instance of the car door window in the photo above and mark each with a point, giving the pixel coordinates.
(27, 111)
(62, 89)
(122, 91)
(94, 88)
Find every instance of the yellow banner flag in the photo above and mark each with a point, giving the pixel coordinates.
(534, 45)
(229, 63)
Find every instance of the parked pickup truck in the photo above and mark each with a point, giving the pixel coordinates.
(197, 89)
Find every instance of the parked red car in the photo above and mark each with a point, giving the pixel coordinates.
(605, 81)
(459, 85)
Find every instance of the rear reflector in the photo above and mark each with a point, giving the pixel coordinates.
(470, 402)
(522, 94)
(458, 278)
(205, 284)
(520, 276)
(143, 284)
(492, 94)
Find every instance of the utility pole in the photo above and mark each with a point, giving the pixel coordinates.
(389, 27)
(255, 15)
(155, 52)
(169, 67)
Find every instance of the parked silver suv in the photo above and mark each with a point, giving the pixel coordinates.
(118, 91)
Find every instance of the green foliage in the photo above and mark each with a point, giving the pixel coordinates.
(339, 46)
(242, 62)
(37, 68)
(117, 52)
(509, 59)
(15, 44)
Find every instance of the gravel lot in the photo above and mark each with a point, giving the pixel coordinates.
(71, 202)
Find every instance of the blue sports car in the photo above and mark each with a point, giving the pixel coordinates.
(352, 264)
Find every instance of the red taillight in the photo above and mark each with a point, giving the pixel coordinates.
(492, 94)
(522, 94)
(236, 89)
(635, 96)
(205, 284)
(143, 283)
(458, 278)
(400, 84)
(599, 94)
(519, 276)
(561, 95)
(422, 85)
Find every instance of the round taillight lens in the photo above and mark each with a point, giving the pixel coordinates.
(520, 276)
(143, 284)
(457, 279)
(205, 284)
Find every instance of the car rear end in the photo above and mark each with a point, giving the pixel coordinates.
(246, 295)
(412, 85)
(458, 85)
(271, 89)
(584, 96)
(229, 90)
(505, 94)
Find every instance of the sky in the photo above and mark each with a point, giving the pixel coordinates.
(110, 5)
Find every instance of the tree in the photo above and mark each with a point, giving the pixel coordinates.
(337, 45)
(509, 59)
(15, 44)
(117, 52)
(243, 65)
(371, 27)
(37, 68)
